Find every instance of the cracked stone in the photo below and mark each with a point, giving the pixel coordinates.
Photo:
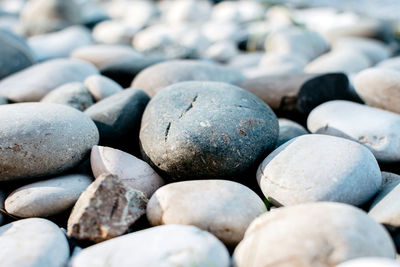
(105, 210)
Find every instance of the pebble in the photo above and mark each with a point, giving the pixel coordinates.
(195, 130)
(40, 139)
(114, 32)
(370, 262)
(137, 13)
(167, 245)
(48, 197)
(223, 208)
(390, 63)
(106, 209)
(33, 242)
(325, 238)
(238, 11)
(59, 44)
(315, 167)
(118, 119)
(188, 11)
(379, 87)
(376, 129)
(73, 94)
(33, 83)
(288, 130)
(222, 51)
(161, 75)
(15, 54)
(130, 170)
(101, 87)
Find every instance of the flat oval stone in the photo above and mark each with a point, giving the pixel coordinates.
(40, 139)
(370, 262)
(198, 130)
(101, 87)
(167, 246)
(313, 234)
(73, 94)
(377, 129)
(379, 87)
(158, 76)
(288, 130)
(48, 197)
(198, 202)
(130, 170)
(33, 83)
(315, 167)
(33, 242)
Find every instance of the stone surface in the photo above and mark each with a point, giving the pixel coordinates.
(73, 94)
(118, 119)
(312, 235)
(39, 139)
(48, 197)
(59, 44)
(161, 75)
(130, 170)
(15, 54)
(101, 87)
(390, 63)
(379, 87)
(315, 167)
(370, 262)
(33, 83)
(167, 245)
(377, 129)
(197, 130)
(288, 130)
(33, 242)
(222, 51)
(223, 208)
(105, 210)
(114, 32)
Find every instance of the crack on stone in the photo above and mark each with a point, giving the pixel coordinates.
(167, 131)
(279, 185)
(190, 106)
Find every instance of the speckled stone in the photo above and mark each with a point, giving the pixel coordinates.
(39, 139)
(197, 130)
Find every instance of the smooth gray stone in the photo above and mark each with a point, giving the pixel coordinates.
(33, 242)
(15, 54)
(167, 246)
(313, 234)
(33, 83)
(101, 87)
(197, 130)
(153, 79)
(39, 139)
(118, 119)
(316, 167)
(73, 94)
(288, 130)
(48, 197)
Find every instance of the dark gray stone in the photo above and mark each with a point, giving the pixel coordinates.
(197, 130)
(118, 119)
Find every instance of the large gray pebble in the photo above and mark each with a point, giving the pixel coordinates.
(197, 130)
(313, 234)
(315, 167)
(377, 129)
(33, 83)
(223, 208)
(73, 94)
(48, 197)
(167, 246)
(288, 130)
(33, 242)
(156, 77)
(38, 139)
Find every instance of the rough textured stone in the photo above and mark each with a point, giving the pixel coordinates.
(118, 119)
(370, 262)
(105, 210)
(167, 245)
(161, 75)
(101, 87)
(315, 167)
(377, 129)
(33, 242)
(379, 87)
(288, 130)
(130, 170)
(33, 83)
(73, 94)
(314, 234)
(223, 208)
(15, 54)
(48, 197)
(38, 139)
(197, 130)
